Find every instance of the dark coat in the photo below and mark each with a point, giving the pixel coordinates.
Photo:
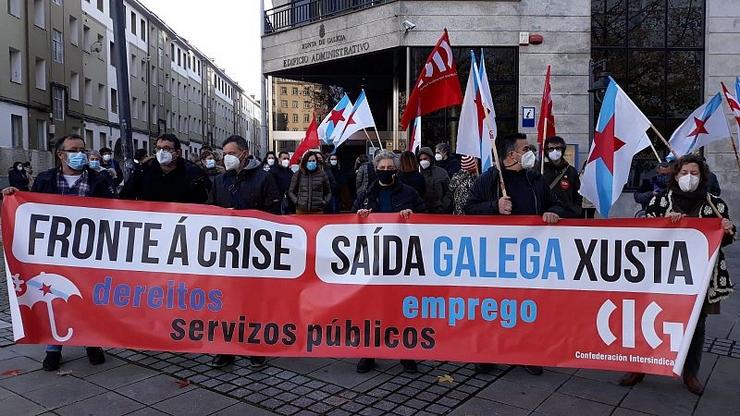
(365, 176)
(567, 186)
(282, 177)
(310, 191)
(115, 166)
(414, 180)
(251, 188)
(402, 197)
(187, 183)
(451, 165)
(18, 179)
(486, 192)
(437, 195)
(101, 184)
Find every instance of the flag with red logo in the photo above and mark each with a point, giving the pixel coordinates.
(311, 141)
(334, 123)
(707, 124)
(437, 87)
(732, 100)
(546, 123)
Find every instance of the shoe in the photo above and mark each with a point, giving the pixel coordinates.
(694, 385)
(484, 368)
(534, 370)
(365, 365)
(222, 360)
(95, 355)
(52, 361)
(409, 366)
(257, 363)
(630, 379)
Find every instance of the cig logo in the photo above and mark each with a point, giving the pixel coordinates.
(650, 315)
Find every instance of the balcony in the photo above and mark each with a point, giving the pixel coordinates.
(303, 12)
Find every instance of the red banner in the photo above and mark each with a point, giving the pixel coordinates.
(609, 294)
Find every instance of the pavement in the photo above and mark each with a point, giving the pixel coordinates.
(162, 383)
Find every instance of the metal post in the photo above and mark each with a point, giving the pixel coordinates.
(124, 108)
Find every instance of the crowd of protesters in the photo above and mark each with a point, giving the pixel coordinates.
(432, 181)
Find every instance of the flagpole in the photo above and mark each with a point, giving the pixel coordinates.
(734, 146)
(657, 156)
(542, 150)
(665, 142)
(377, 136)
(725, 93)
(498, 166)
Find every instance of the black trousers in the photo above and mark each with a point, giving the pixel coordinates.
(693, 359)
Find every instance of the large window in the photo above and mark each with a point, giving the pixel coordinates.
(655, 50)
(502, 69)
(58, 103)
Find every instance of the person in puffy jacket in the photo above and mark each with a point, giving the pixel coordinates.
(310, 190)
(437, 196)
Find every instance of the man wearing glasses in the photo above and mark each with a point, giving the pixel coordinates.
(527, 194)
(561, 177)
(168, 177)
(72, 177)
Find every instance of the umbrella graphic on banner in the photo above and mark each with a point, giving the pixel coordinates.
(45, 288)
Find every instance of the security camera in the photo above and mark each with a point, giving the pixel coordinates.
(408, 25)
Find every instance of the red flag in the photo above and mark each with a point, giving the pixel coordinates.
(311, 141)
(546, 114)
(437, 86)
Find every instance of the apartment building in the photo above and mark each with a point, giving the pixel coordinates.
(59, 77)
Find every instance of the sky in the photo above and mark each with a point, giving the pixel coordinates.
(227, 31)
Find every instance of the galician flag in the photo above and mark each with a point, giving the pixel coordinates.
(490, 121)
(334, 122)
(415, 137)
(477, 119)
(732, 100)
(619, 136)
(360, 118)
(705, 125)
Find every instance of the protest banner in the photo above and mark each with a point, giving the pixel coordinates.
(609, 294)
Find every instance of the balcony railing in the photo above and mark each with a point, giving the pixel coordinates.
(301, 12)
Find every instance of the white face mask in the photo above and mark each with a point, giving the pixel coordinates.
(294, 168)
(270, 162)
(333, 162)
(425, 164)
(688, 183)
(285, 163)
(438, 157)
(164, 157)
(231, 162)
(528, 160)
(555, 155)
(106, 157)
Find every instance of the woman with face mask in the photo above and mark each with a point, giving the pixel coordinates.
(462, 182)
(387, 194)
(210, 162)
(437, 194)
(310, 190)
(687, 196)
(269, 161)
(18, 178)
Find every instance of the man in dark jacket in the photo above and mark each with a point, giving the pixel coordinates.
(446, 160)
(109, 163)
(283, 175)
(169, 177)
(244, 185)
(437, 196)
(387, 194)
(561, 177)
(528, 194)
(656, 185)
(72, 178)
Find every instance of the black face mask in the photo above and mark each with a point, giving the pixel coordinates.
(386, 176)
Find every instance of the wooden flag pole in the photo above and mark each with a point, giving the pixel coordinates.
(368, 138)
(657, 156)
(542, 150)
(665, 142)
(734, 147)
(498, 166)
(377, 136)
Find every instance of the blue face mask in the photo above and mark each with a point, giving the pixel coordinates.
(94, 164)
(76, 161)
(311, 166)
(210, 163)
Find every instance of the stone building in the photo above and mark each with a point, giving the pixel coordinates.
(669, 56)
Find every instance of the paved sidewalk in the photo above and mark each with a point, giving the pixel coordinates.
(159, 383)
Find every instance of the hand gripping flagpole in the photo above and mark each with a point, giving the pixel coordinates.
(498, 165)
